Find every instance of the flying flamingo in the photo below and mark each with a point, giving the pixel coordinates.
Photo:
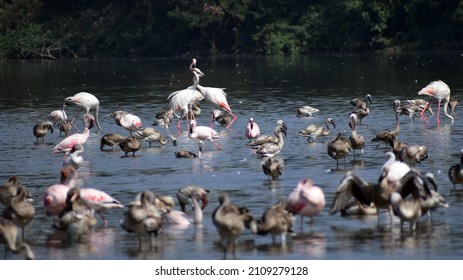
(215, 96)
(67, 143)
(440, 91)
(87, 101)
(183, 99)
(306, 200)
(54, 198)
(252, 129)
(202, 133)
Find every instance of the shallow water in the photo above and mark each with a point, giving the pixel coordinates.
(267, 89)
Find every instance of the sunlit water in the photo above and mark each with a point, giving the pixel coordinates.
(267, 89)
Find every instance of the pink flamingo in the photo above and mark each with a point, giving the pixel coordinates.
(215, 96)
(440, 91)
(60, 116)
(87, 101)
(306, 200)
(202, 133)
(67, 143)
(252, 129)
(127, 120)
(182, 100)
(54, 198)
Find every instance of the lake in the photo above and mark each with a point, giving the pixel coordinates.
(265, 88)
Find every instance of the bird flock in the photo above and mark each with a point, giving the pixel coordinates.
(401, 190)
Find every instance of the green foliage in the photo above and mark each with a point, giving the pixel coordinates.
(154, 28)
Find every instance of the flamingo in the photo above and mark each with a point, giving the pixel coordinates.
(41, 129)
(8, 234)
(150, 135)
(229, 220)
(127, 120)
(78, 216)
(130, 144)
(221, 118)
(75, 159)
(182, 100)
(357, 141)
(143, 217)
(313, 131)
(202, 133)
(306, 200)
(252, 129)
(54, 198)
(9, 189)
(394, 175)
(60, 116)
(388, 136)
(270, 149)
(361, 107)
(273, 167)
(110, 139)
(86, 101)
(441, 91)
(185, 154)
(275, 220)
(67, 143)
(186, 193)
(259, 141)
(21, 211)
(215, 96)
(456, 171)
(306, 111)
(338, 148)
(407, 210)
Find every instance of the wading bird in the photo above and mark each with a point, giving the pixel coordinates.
(86, 101)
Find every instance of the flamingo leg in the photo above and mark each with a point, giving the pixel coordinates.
(230, 112)
(422, 112)
(438, 112)
(220, 148)
(72, 121)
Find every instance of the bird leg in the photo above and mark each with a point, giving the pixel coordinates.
(438, 112)
(230, 112)
(220, 148)
(72, 121)
(422, 112)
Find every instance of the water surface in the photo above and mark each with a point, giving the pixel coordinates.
(267, 89)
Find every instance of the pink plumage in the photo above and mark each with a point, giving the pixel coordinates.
(202, 133)
(252, 129)
(306, 200)
(440, 91)
(54, 198)
(67, 143)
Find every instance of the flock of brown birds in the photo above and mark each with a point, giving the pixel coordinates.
(401, 189)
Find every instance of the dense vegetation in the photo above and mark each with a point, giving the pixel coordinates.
(162, 28)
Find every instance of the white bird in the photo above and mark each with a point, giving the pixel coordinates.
(214, 96)
(440, 91)
(181, 100)
(202, 133)
(77, 138)
(127, 120)
(306, 111)
(60, 116)
(86, 101)
(252, 129)
(75, 159)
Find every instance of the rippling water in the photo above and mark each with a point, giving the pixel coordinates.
(267, 89)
